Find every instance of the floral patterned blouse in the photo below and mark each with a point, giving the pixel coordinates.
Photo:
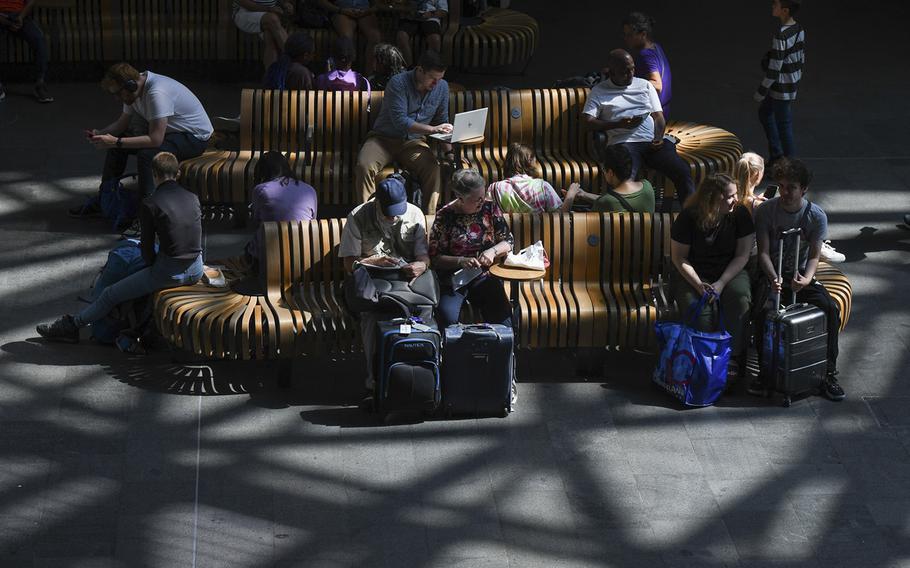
(460, 234)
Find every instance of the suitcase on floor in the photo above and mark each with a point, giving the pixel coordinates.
(478, 368)
(407, 366)
(794, 347)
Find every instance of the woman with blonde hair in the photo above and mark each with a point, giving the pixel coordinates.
(709, 247)
(523, 190)
(749, 171)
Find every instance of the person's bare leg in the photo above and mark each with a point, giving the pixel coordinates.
(275, 36)
(434, 43)
(404, 46)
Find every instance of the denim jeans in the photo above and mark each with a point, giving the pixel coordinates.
(166, 272)
(485, 292)
(666, 161)
(181, 144)
(31, 34)
(777, 119)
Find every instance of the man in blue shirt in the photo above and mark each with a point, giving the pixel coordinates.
(415, 104)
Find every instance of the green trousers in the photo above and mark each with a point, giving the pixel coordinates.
(736, 301)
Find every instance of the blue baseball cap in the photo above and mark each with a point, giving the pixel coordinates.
(392, 196)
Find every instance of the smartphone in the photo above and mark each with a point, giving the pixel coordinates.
(771, 191)
(88, 134)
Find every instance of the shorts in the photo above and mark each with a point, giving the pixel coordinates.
(249, 22)
(425, 27)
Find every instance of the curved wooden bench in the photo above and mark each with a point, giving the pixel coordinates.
(73, 31)
(596, 292)
(503, 37)
(548, 120)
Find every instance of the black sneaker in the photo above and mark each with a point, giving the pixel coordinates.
(42, 95)
(757, 387)
(91, 208)
(832, 390)
(63, 330)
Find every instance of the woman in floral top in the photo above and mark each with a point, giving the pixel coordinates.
(523, 190)
(468, 234)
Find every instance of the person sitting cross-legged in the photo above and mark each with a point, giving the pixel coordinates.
(172, 215)
(628, 110)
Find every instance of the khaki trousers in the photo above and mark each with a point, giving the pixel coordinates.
(413, 155)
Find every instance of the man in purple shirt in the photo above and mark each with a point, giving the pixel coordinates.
(650, 61)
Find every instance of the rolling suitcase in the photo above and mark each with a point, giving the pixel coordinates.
(794, 343)
(478, 368)
(407, 366)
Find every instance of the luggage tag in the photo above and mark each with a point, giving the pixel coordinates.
(404, 329)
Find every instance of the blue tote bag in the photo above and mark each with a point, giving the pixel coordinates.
(693, 364)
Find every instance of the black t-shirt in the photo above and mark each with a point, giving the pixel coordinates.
(711, 251)
(173, 214)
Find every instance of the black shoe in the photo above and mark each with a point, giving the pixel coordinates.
(757, 387)
(131, 229)
(64, 330)
(42, 95)
(91, 208)
(832, 390)
(906, 217)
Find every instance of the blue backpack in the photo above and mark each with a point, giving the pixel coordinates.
(123, 260)
(117, 203)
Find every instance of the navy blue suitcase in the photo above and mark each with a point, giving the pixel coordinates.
(478, 367)
(407, 366)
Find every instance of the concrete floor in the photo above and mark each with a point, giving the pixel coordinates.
(108, 460)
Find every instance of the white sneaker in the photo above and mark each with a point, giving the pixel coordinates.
(830, 254)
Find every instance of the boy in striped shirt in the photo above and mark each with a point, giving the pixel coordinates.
(783, 67)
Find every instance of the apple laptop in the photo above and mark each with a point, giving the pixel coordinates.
(467, 125)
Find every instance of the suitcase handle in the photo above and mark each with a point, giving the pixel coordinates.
(480, 329)
(780, 263)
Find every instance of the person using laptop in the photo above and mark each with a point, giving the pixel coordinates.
(628, 110)
(415, 105)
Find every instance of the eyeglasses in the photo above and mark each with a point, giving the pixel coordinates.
(472, 201)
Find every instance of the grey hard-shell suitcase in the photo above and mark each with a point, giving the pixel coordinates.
(794, 343)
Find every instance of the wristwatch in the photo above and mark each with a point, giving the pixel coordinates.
(119, 142)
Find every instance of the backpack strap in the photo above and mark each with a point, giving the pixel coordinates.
(622, 200)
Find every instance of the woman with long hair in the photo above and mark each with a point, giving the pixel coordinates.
(389, 62)
(749, 171)
(710, 243)
(523, 190)
(278, 195)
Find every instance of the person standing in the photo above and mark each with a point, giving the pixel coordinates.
(651, 63)
(16, 20)
(783, 66)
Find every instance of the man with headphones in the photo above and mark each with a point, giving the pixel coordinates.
(177, 123)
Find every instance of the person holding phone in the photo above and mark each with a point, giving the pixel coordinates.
(469, 234)
(16, 20)
(628, 110)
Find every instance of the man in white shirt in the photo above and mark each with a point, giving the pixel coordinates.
(628, 110)
(177, 123)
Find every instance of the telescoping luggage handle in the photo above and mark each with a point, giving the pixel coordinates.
(780, 263)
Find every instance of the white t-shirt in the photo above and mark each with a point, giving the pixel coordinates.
(163, 97)
(610, 103)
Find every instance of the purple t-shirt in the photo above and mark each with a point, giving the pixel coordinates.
(650, 60)
(273, 201)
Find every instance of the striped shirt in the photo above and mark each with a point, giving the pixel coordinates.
(785, 64)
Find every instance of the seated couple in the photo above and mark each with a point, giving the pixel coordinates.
(466, 233)
(711, 240)
(524, 190)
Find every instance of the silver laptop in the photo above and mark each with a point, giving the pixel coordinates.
(467, 125)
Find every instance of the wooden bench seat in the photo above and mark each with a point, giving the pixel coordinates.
(597, 292)
(548, 120)
(503, 37)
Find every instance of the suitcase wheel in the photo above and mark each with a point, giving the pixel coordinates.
(504, 412)
(787, 402)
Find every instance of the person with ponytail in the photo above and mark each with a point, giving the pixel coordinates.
(749, 171)
(710, 243)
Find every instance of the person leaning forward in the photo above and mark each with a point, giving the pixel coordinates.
(415, 104)
(386, 225)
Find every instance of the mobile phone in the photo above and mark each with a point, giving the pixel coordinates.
(88, 133)
(771, 191)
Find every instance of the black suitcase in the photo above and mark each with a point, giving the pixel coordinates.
(407, 366)
(478, 368)
(794, 351)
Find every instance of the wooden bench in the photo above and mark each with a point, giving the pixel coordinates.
(597, 292)
(502, 38)
(548, 120)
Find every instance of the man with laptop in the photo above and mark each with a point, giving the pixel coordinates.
(628, 110)
(415, 105)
